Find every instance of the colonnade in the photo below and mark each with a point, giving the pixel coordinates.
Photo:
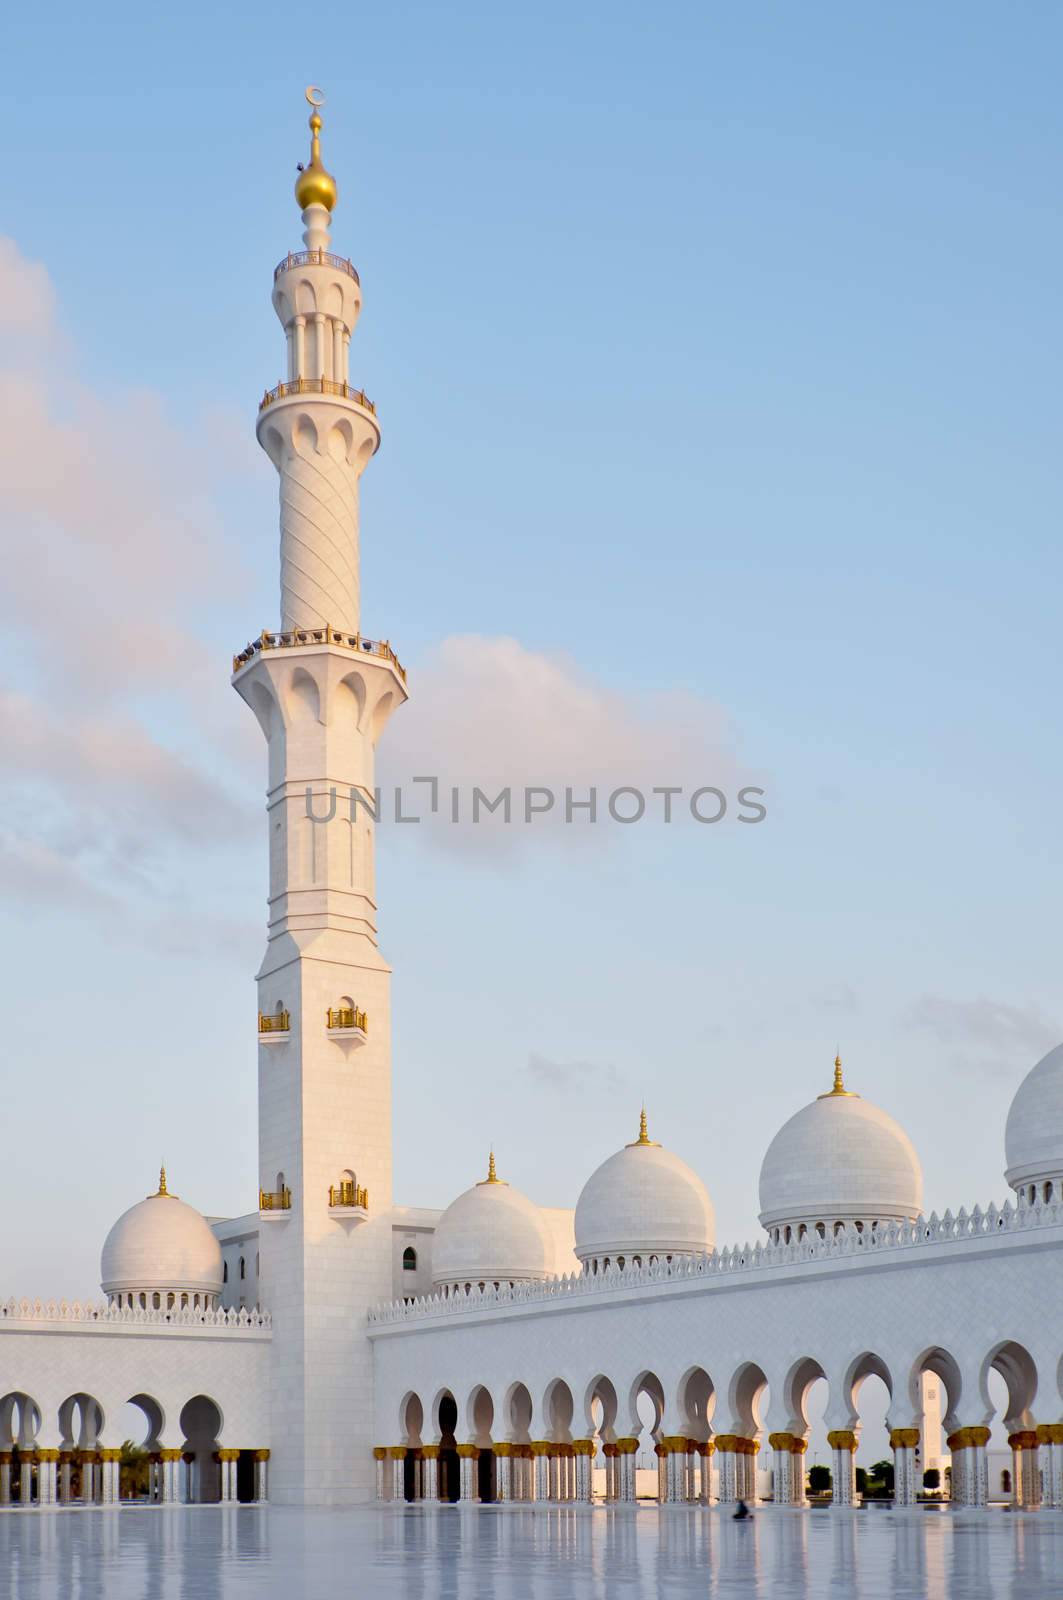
(558, 1473)
(49, 1477)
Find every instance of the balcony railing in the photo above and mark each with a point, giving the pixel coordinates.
(346, 1017)
(275, 1199)
(317, 386)
(277, 1023)
(348, 1193)
(326, 635)
(315, 258)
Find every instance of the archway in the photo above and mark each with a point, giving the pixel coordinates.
(201, 1425)
(139, 1424)
(869, 1396)
(480, 1415)
(411, 1421)
(446, 1414)
(80, 1426)
(1008, 1384)
(20, 1421)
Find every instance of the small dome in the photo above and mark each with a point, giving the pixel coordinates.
(1033, 1138)
(643, 1202)
(840, 1159)
(161, 1246)
(490, 1234)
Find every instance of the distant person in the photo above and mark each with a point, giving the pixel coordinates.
(742, 1511)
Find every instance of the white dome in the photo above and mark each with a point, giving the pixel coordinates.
(161, 1245)
(840, 1159)
(643, 1201)
(490, 1234)
(1033, 1139)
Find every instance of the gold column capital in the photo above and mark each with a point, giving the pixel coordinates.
(727, 1443)
(842, 1439)
(1023, 1439)
(228, 1454)
(170, 1455)
(469, 1452)
(110, 1455)
(626, 1447)
(674, 1444)
(260, 1455)
(503, 1448)
(48, 1454)
(541, 1447)
(781, 1441)
(968, 1438)
(397, 1452)
(1050, 1433)
(583, 1447)
(430, 1452)
(904, 1438)
(379, 1452)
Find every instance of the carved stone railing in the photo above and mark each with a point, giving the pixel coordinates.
(994, 1222)
(315, 258)
(127, 1316)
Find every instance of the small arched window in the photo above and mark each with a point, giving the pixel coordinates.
(1048, 1193)
(409, 1259)
(243, 1268)
(1005, 1482)
(225, 1272)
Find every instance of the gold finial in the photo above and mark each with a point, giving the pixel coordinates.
(492, 1175)
(644, 1132)
(162, 1193)
(839, 1088)
(314, 186)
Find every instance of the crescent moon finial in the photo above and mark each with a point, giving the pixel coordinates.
(315, 97)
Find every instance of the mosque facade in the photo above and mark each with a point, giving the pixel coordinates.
(332, 1347)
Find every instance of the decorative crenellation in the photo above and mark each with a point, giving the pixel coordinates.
(850, 1241)
(78, 1311)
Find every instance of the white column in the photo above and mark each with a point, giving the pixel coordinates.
(396, 1462)
(468, 1473)
(1026, 1469)
(905, 1488)
(346, 356)
(727, 1459)
(1050, 1436)
(970, 1469)
(380, 1457)
(542, 1472)
(65, 1460)
(842, 1442)
(47, 1471)
(5, 1478)
(337, 350)
(320, 346)
(625, 1461)
(705, 1473)
(299, 327)
(25, 1485)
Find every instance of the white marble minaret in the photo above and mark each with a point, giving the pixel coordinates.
(321, 693)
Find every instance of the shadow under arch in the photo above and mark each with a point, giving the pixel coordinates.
(600, 1409)
(448, 1467)
(559, 1408)
(517, 1412)
(696, 1397)
(479, 1418)
(1018, 1369)
(201, 1425)
(745, 1394)
(944, 1366)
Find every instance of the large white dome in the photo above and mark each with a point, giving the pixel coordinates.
(490, 1234)
(643, 1202)
(840, 1159)
(1033, 1138)
(161, 1246)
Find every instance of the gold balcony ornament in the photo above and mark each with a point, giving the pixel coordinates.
(343, 391)
(346, 1017)
(348, 1193)
(301, 637)
(279, 1022)
(275, 1199)
(314, 186)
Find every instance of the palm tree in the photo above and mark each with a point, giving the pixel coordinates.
(134, 1470)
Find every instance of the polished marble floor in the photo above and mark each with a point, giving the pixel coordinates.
(272, 1553)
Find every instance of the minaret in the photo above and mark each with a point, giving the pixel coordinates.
(321, 694)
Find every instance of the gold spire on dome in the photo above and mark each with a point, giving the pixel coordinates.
(162, 1193)
(644, 1133)
(492, 1175)
(839, 1088)
(314, 186)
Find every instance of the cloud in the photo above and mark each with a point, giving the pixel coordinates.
(491, 714)
(998, 1033)
(117, 744)
(566, 1075)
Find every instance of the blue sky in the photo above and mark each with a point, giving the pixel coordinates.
(717, 355)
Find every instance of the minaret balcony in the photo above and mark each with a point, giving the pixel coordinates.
(346, 1024)
(274, 1205)
(315, 258)
(275, 1029)
(348, 1202)
(340, 391)
(299, 638)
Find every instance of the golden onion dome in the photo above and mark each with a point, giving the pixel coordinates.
(314, 186)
